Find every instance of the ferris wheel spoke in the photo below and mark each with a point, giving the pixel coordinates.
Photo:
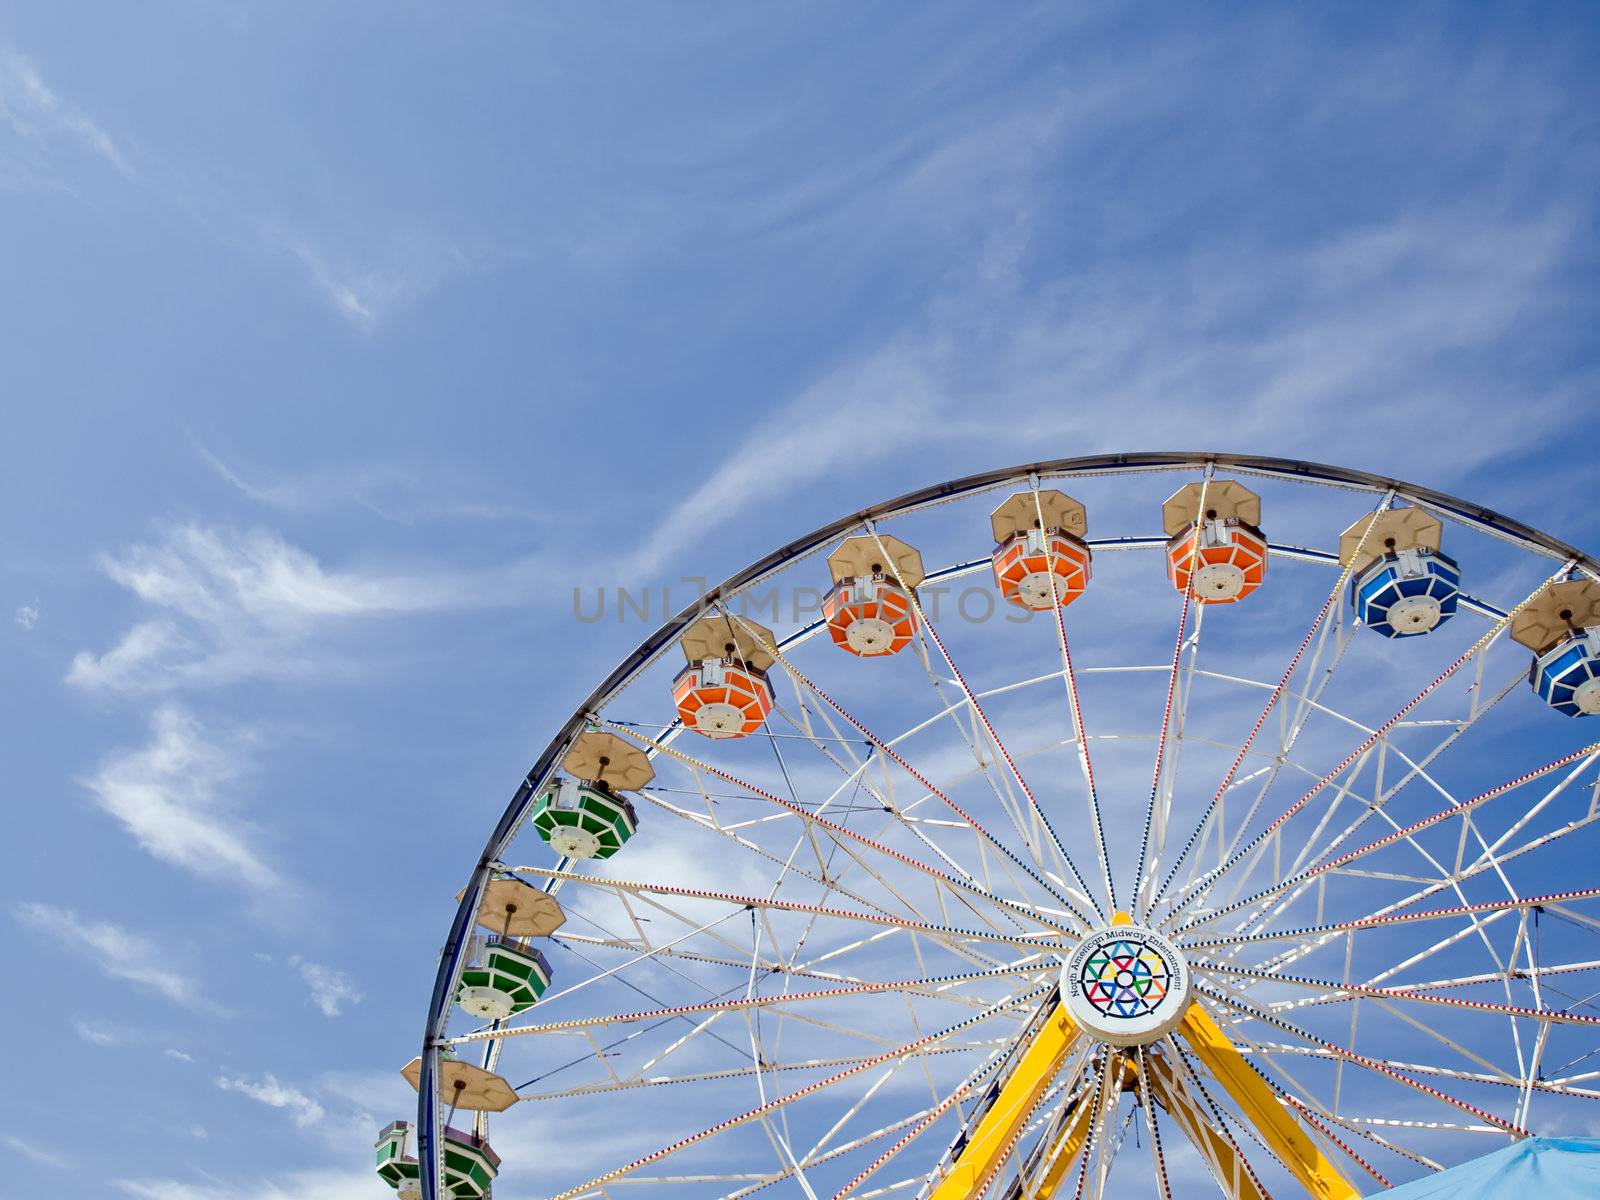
(886, 749)
(843, 832)
(1293, 721)
(635, 1082)
(830, 882)
(899, 1053)
(1309, 1107)
(1312, 932)
(884, 795)
(1066, 1130)
(1158, 1159)
(1273, 697)
(1069, 679)
(1512, 973)
(623, 887)
(1322, 1123)
(929, 1119)
(1313, 943)
(1553, 1086)
(927, 627)
(1315, 849)
(1166, 712)
(1208, 1129)
(839, 1151)
(1230, 1001)
(1372, 740)
(1332, 992)
(1095, 1124)
(1002, 788)
(599, 1021)
(1584, 757)
(1373, 808)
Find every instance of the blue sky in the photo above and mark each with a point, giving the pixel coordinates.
(336, 348)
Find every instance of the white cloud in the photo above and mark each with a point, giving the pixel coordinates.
(362, 289)
(1378, 324)
(34, 112)
(402, 493)
(169, 795)
(230, 605)
(302, 1109)
(361, 281)
(117, 951)
(27, 616)
(172, 1189)
(33, 1153)
(331, 990)
(104, 1033)
(177, 1055)
(300, 1185)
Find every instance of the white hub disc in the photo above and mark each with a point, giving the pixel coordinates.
(1218, 581)
(1126, 985)
(1414, 614)
(869, 635)
(574, 843)
(1587, 697)
(484, 1002)
(719, 720)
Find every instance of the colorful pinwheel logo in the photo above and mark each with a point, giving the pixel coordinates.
(1125, 978)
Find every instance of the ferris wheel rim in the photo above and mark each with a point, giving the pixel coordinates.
(429, 1125)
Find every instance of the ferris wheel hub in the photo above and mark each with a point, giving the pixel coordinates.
(1126, 985)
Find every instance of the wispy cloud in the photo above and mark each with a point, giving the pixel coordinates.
(228, 605)
(1378, 324)
(105, 1033)
(35, 113)
(27, 616)
(172, 1189)
(361, 282)
(403, 494)
(34, 1154)
(302, 1109)
(117, 951)
(331, 990)
(300, 1185)
(169, 795)
(364, 290)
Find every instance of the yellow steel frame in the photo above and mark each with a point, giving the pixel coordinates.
(1000, 1125)
(1227, 1165)
(997, 1129)
(1262, 1108)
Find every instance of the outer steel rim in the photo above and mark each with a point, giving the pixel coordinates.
(429, 1125)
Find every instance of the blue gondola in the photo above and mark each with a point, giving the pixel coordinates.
(1567, 676)
(1407, 592)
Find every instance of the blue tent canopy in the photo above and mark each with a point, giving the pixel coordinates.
(1541, 1168)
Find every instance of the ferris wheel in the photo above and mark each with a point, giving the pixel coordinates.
(1142, 825)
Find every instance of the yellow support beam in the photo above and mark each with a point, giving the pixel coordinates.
(1168, 1090)
(1074, 1134)
(996, 1131)
(1262, 1108)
